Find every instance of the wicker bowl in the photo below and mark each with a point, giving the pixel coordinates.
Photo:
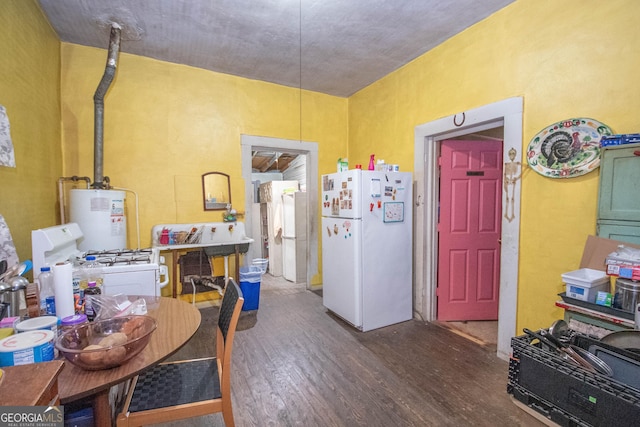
(106, 343)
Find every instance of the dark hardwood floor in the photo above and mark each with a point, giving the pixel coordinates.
(294, 364)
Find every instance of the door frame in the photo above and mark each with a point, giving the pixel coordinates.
(507, 114)
(469, 307)
(251, 143)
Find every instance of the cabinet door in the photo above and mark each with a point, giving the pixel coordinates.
(620, 230)
(619, 196)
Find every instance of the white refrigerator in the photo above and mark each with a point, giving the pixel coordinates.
(294, 237)
(367, 247)
(271, 198)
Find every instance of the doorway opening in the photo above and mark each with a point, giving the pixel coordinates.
(251, 144)
(470, 188)
(508, 115)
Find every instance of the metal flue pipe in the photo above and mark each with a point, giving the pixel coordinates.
(98, 101)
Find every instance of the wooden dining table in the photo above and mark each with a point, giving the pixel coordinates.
(177, 322)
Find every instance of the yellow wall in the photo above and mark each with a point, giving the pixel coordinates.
(30, 92)
(167, 124)
(570, 58)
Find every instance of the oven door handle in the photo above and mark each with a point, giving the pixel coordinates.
(164, 272)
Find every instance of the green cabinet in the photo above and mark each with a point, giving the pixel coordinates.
(620, 230)
(619, 193)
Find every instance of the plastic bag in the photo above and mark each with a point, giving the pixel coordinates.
(631, 254)
(109, 306)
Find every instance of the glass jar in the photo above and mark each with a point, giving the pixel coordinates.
(70, 322)
(73, 331)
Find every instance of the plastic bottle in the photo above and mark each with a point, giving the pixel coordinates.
(92, 271)
(164, 237)
(79, 279)
(343, 164)
(45, 281)
(89, 305)
(372, 163)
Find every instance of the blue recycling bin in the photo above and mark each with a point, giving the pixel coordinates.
(250, 287)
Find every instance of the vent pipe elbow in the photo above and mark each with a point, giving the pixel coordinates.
(98, 101)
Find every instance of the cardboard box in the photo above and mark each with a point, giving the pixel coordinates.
(625, 265)
(626, 271)
(596, 250)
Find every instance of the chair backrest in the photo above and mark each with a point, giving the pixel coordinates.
(232, 294)
(227, 322)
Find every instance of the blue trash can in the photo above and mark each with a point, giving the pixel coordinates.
(250, 287)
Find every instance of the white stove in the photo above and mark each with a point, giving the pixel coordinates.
(121, 257)
(124, 271)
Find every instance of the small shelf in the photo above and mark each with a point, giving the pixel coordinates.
(600, 309)
(597, 317)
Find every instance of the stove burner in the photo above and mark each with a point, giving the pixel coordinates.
(132, 260)
(119, 252)
(113, 257)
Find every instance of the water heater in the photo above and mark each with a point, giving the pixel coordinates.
(100, 215)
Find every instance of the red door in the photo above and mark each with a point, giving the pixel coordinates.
(469, 230)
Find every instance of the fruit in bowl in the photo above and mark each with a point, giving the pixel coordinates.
(106, 343)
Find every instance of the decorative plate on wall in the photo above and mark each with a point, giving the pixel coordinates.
(568, 148)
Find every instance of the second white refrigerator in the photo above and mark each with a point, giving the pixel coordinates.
(367, 239)
(294, 236)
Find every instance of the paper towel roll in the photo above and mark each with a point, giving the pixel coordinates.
(63, 289)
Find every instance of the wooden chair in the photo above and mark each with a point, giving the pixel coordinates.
(190, 388)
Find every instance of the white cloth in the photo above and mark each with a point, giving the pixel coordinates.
(7, 248)
(7, 155)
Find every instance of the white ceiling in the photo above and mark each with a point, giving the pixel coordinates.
(335, 47)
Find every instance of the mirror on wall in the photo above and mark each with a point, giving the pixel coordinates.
(216, 191)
